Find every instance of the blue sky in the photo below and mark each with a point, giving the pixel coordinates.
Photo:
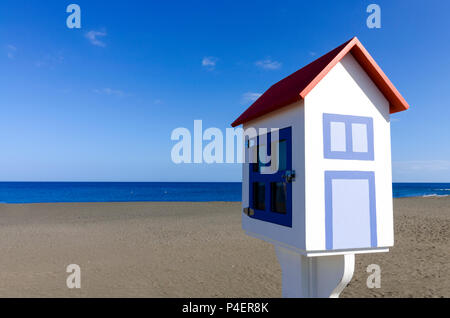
(99, 103)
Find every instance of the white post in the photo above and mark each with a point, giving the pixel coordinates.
(320, 276)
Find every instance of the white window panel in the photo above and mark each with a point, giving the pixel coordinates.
(359, 137)
(351, 213)
(337, 134)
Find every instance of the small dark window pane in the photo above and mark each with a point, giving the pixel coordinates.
(257, 166)
(282, 150)
(279, 197)
(262, 152)
(259, 195)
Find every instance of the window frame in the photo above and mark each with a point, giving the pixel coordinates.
(348, 120)
(267, 215)
(349, 175)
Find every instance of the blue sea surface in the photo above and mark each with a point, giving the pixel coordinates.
(401, 190)
(36, 192)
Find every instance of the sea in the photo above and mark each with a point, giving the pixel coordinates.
(39, 192)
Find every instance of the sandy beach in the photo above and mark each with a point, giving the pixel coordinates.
(153, 249)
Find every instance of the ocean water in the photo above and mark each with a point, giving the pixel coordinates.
(35, 192)
(401, 190)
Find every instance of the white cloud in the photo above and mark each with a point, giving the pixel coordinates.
(92, 36)
(11, 51)
(422, 165)
(109, 92)
(209, 62)
(421, 171)
(50, 60)
(268, 64)
(250, 97)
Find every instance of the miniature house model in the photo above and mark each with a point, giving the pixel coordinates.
(330, 196)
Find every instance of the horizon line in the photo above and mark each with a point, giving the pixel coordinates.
(56, 181)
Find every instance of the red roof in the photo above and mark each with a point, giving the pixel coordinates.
(297, 85)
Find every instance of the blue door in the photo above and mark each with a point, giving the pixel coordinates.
(270, 194)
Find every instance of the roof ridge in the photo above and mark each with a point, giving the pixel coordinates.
(298, 84)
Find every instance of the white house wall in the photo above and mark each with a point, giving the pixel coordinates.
(346, 90)
(293, 116)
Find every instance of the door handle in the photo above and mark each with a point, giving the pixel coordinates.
(289, 176)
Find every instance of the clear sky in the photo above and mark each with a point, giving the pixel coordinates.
(99, 103)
